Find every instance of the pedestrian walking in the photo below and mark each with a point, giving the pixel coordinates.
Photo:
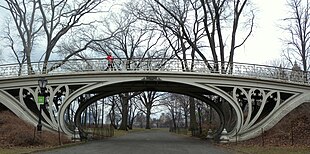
(110, 61)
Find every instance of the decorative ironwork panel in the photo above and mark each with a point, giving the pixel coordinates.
(257, 104)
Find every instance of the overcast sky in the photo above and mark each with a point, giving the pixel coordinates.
(264, 45)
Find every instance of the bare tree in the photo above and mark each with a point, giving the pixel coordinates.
(225, 13)
(52, 19)
(124, 108)
(179, 40)
(17, 51)
(133, 40)
(140, 119)
(113, 114)
(26, 21)
(196, 29)
(175, 103)
(124, 98)
(149, 99)
(133, 112)
(280, 62)
(59, 17)
(298, 30)
(172, 107)
(184, 105)
(193, 21)
(188, 105)
(173, 21)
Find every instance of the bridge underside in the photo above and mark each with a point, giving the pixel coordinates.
(159, 86)
(244, 105)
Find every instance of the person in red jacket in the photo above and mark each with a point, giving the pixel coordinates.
(110, 61)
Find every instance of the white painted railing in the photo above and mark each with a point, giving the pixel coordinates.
(79, 65)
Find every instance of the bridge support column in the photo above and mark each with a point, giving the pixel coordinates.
(76, 135)
(224, 137)
(209, 136)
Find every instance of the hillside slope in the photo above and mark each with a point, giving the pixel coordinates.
(15, 132)
(293, 129)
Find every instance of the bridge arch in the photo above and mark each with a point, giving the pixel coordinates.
(149, 86)
(288, 95)
(193, 89)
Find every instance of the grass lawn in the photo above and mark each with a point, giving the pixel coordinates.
(15, 150)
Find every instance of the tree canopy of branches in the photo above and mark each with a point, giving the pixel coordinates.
(206, 28)
(51, 20)
(298, 30)
(133, 40)
(27, 25)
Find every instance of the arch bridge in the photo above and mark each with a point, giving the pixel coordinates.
(257, 96)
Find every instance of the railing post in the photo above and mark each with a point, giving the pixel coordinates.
(255, 70)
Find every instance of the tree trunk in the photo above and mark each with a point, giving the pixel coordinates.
(131, 122)
(112, 114)
(148, 118)
(192, 110)
(200, 120)
(173, 119)
(186, 120)
(102, 113)
(124, 102)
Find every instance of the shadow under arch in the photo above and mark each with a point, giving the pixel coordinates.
(161, 86)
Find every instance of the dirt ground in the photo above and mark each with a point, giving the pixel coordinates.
(292, 130)
(15, 132)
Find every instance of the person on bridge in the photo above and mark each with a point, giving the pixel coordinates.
(110, 61)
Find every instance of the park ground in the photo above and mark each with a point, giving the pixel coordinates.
(290, 135)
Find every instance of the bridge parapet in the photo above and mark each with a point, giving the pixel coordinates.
(168, 65)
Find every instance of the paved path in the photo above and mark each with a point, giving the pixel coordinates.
(146, 142)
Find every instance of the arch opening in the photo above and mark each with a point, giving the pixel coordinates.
(211, 99)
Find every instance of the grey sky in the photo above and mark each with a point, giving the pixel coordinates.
(264, 44)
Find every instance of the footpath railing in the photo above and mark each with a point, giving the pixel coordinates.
(170, 65)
